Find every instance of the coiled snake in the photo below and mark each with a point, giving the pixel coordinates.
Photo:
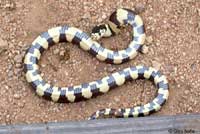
(118, 19)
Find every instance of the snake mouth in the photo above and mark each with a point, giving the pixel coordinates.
(95, 36)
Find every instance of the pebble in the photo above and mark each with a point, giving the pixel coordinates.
(190, 109)
(10, 5)
(193, 66)
(18, 65)
(198, 28)
(86, 15)
(156, 65)
(99, 20)
(3, 45)
(186, 92)
(111, 69)
(149, 39)
(17, 72)
(42, 74)
(64, 55)
(145, 49)
(18, 58)
(10, 74)
(94, 18)
(16, 96)
(43, 65)
(56, 51)
(8, 118)
(116, 99)
(103, 16)
(139, 8)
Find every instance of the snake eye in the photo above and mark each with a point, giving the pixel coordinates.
(96, 29)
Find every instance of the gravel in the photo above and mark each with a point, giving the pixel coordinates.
(7, 4)
(56, 51)
(149, 40)
(3, 45)
(16, 96)
(156, 64)
(18, 58)
(139, 8)
(172, 29)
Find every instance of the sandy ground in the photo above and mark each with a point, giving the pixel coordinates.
(173, 36)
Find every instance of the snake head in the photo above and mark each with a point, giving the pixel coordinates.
(99, 31)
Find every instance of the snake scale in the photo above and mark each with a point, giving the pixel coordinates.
(118, 19)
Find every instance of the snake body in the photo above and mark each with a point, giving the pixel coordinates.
(87, 90)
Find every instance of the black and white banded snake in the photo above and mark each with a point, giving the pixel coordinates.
(119, 18)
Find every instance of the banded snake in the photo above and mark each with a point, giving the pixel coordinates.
(118, 19)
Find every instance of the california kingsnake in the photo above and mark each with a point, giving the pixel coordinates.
(118, 19)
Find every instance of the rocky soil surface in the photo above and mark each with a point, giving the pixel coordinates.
(173, 37)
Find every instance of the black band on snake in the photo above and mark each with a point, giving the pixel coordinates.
(118, 19)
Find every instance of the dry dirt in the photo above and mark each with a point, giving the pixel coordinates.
(173, 36)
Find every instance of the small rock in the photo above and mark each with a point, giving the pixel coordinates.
(56, 51)
(157, 44)
(186, 92)
(18, 58)
(193, 66)
(18, 65)
(86, 15)
(110, 69)
(94, 18)
(116, 99)
(156, 65)
(66, 74)
(10, 66)
(149, 39)
(41, 105)
(198, 28)
(17, 72)
(10, 5)
(10, 74)
(139, 8)
(43, 65)
(25, 33)
(99, 20)
(103, 16)
(189, 0)
(42, 74)
(145, 49)
(190, 109)
(21, 105)
(3, 45)
(8, 120)
(16, 96)
(64, 55)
